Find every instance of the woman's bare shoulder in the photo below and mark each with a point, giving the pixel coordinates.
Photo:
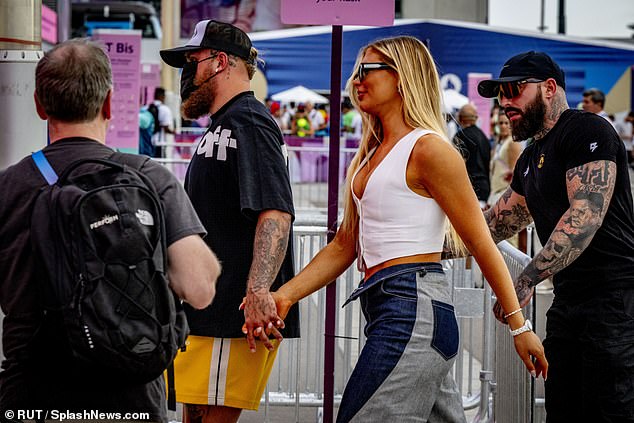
(434, 147)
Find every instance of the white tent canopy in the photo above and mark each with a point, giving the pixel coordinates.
(299, 94)
(453, 100)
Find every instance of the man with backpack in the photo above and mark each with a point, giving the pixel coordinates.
(89, 241)
(163, 121)
(146, 132)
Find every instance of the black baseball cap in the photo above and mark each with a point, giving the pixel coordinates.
(532, 64)
(213, 35)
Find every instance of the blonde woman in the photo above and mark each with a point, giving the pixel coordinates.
(403, 184)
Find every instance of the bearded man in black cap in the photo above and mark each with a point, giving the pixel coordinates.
(574, 157)
(239, 185)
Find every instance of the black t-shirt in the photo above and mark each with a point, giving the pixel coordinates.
(33, 376)
(239, 169)
(540, 176)
(476, 150)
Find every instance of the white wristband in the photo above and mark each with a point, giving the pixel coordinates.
(526, 327)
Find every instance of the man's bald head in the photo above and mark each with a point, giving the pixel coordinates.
(468, 115)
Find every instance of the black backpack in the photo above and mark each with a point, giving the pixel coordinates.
(100, 232)
(154, 110)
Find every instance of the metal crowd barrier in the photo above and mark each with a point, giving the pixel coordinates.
(514, 388)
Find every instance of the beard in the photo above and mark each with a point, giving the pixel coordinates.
(199, 102)
(531, 121)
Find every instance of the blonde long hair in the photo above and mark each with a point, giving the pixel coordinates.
(419, 86)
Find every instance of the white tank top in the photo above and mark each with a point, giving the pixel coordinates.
(394, 221)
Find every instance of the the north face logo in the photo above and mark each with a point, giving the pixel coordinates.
(145, 217)
(144, 346)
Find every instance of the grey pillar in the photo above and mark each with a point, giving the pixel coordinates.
(63, 20)
(20, 49)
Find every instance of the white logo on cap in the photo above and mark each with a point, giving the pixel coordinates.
(199, 33)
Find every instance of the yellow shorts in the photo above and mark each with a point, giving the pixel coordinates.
(222, 371)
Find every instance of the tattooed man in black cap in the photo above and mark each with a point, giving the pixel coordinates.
(572, 181)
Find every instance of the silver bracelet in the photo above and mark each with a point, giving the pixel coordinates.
(506, 316)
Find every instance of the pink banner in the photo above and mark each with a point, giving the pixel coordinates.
(150, 79)
(338, 12)
(49, 25)
(124, 50)
(483, 105)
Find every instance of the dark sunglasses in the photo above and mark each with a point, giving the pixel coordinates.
(364, 68)
(513, 89)
(192, 61)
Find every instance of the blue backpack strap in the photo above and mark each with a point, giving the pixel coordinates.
(44, 167)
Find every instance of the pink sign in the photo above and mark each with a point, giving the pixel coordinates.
(150, 79)
(124, 50)
(338, 12)
(482, 105)
(49, 25)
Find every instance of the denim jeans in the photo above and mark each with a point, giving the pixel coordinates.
(590, 349)
(403, 372)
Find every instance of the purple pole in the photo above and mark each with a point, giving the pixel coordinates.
(632, 88)
(333, 209)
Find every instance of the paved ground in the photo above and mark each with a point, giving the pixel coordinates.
(307, 415)
(281, 414)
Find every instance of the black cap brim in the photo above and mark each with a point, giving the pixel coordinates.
(175, 57)
(489, 88)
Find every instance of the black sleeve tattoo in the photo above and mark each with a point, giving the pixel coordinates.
(590, 189)
(269, 249)
(507, 217)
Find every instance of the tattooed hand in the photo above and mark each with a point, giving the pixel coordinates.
(524, 291)
(261, 319)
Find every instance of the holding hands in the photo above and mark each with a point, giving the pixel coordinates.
(264, 314)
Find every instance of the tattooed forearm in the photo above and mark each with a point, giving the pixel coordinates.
(561, 249)
(269, 248)
(507, 217)
(557, 251)
(523, 289)
(590, 189)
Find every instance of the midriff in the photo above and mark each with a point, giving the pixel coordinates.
(417, 258)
